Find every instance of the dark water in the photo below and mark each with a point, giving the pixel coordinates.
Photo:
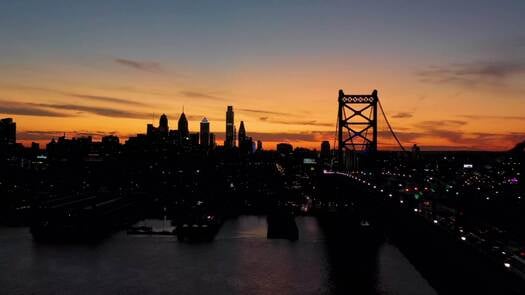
(240, 261)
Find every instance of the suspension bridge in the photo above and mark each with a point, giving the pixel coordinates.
(382, 188)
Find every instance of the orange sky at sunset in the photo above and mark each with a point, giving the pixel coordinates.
(446, 96)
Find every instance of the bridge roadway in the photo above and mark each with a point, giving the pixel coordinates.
(432, 234)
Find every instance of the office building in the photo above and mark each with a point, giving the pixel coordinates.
(205, 132)
(7, 131)
(183, 127)
(230, 128)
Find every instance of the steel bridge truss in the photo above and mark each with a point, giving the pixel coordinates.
(357, 123)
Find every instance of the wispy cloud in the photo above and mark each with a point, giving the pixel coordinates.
(453, 139)
(101, 111)
(22, 109)
(492, 117)
(109, 99)
(263, 112)
(198, 94)
(440, 124)
(473, 73)
(100, 98)
(297, 122)
(146, 66)
(402, 115)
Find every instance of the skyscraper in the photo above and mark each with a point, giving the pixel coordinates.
(242, 134)
(230, 132)
(212, 140)
(7, 131)
(163, 125)
(325, 149)
(245, 143)
(183, 127)
(205, 132)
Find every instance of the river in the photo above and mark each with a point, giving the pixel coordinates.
(241, 260)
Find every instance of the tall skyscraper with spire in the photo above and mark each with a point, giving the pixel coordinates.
(245, 142)
(183, 127)
(242, 134)
(230, 128)
(205, 133)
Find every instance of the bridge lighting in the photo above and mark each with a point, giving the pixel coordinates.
(506, 264)
(390, 195)
(401, 201)
(435, 221)
(463, 238)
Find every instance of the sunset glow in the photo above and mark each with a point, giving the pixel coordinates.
(447, 80)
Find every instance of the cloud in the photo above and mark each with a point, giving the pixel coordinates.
(109, 99)
(402, 115)
(14, 108)
(263, 112)
(444, 129)
(146, 66)
(297, 122)
(473, 73)
(37, 135)
(197, 94)
(440, 124)
(492, 117)
(453, 139)
(101, 111)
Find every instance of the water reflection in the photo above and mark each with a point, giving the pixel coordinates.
(241, 260)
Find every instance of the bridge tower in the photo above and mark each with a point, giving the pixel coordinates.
(356, 128)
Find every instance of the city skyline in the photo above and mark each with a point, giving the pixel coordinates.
(279, 64)
(262, 147)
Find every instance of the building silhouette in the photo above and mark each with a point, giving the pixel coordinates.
(7, 131)
(163, 125)
(245, 142)
(259, 145)
(205, 132)
(184, 132)
(325, 150)
(229, 142)
(284, 148)
(242, 133)
(213, 144)
(163, 129)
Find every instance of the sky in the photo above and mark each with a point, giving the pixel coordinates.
(450, 74)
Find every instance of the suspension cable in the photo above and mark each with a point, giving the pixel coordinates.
(390, 127)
